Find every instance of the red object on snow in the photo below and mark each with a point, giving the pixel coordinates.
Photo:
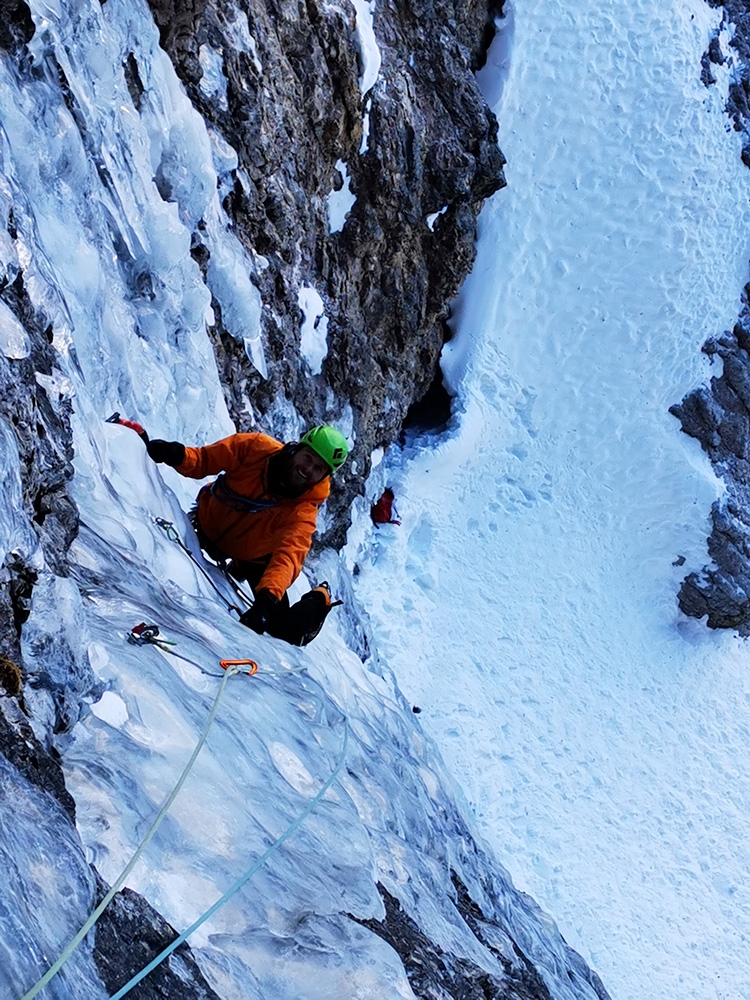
(382, 512)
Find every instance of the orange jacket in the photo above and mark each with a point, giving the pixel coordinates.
(283, 532)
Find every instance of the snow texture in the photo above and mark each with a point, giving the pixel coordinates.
(339, 203)
(367, 43)
(528, 602)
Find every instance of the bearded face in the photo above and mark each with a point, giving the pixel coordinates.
(296, 469)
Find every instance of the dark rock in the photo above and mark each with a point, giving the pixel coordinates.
(385, 279)
(433, 972)
(129, 935)
(40, 420)
(718, 415)
(39, 766)
(16, 25)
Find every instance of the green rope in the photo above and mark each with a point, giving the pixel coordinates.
(240, 881)
(70, 948)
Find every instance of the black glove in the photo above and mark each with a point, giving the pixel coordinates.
(169, 452)
(258, 615)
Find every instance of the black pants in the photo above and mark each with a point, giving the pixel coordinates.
(297, 624)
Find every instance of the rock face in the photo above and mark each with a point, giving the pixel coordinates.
(292, 107)
(129, 935)
(308, 102)
(718, 415)
(433, 972)
(38, 414)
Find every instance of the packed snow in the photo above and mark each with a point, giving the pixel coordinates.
(528, 602)
(314, 330)
(339, 203)
(367, 44)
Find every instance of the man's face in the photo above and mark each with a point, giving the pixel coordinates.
(306, 469)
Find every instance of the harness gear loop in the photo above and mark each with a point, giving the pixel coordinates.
(236, 501)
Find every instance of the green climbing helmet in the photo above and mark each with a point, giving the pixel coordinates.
(329, 443)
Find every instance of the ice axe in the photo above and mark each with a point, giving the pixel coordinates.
(132, 424)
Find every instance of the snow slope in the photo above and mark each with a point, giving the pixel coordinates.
(108, 262)
(528, 602)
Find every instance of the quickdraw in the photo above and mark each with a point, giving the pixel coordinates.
(143, 635)
(174, 536)
(225, 664)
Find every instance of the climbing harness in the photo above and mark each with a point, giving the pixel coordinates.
(236, 501)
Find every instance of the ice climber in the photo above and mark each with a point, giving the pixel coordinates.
(260, 513)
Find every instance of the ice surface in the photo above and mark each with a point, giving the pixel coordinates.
(106, 205)
(364, 144)
(432, 219)
(213, 83)
(14, 341)
(527, 602)
(16, 534)
(47, 893)
(340, 202)
(314, 331)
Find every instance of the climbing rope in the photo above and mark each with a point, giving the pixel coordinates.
(243, 878)
(174, 536)
(149, 635)
(230, 671)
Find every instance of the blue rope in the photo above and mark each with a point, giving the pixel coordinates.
(240, 881)
(72, 945)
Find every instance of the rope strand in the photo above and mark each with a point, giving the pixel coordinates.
(174, 536)
(240, 881)
(70, 948)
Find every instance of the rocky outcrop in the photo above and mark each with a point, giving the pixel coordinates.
(292, 108)
(718, 414)
(129, 935)
(437, 972)
(37, 415)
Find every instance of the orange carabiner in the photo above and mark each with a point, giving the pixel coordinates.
(239, 663)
